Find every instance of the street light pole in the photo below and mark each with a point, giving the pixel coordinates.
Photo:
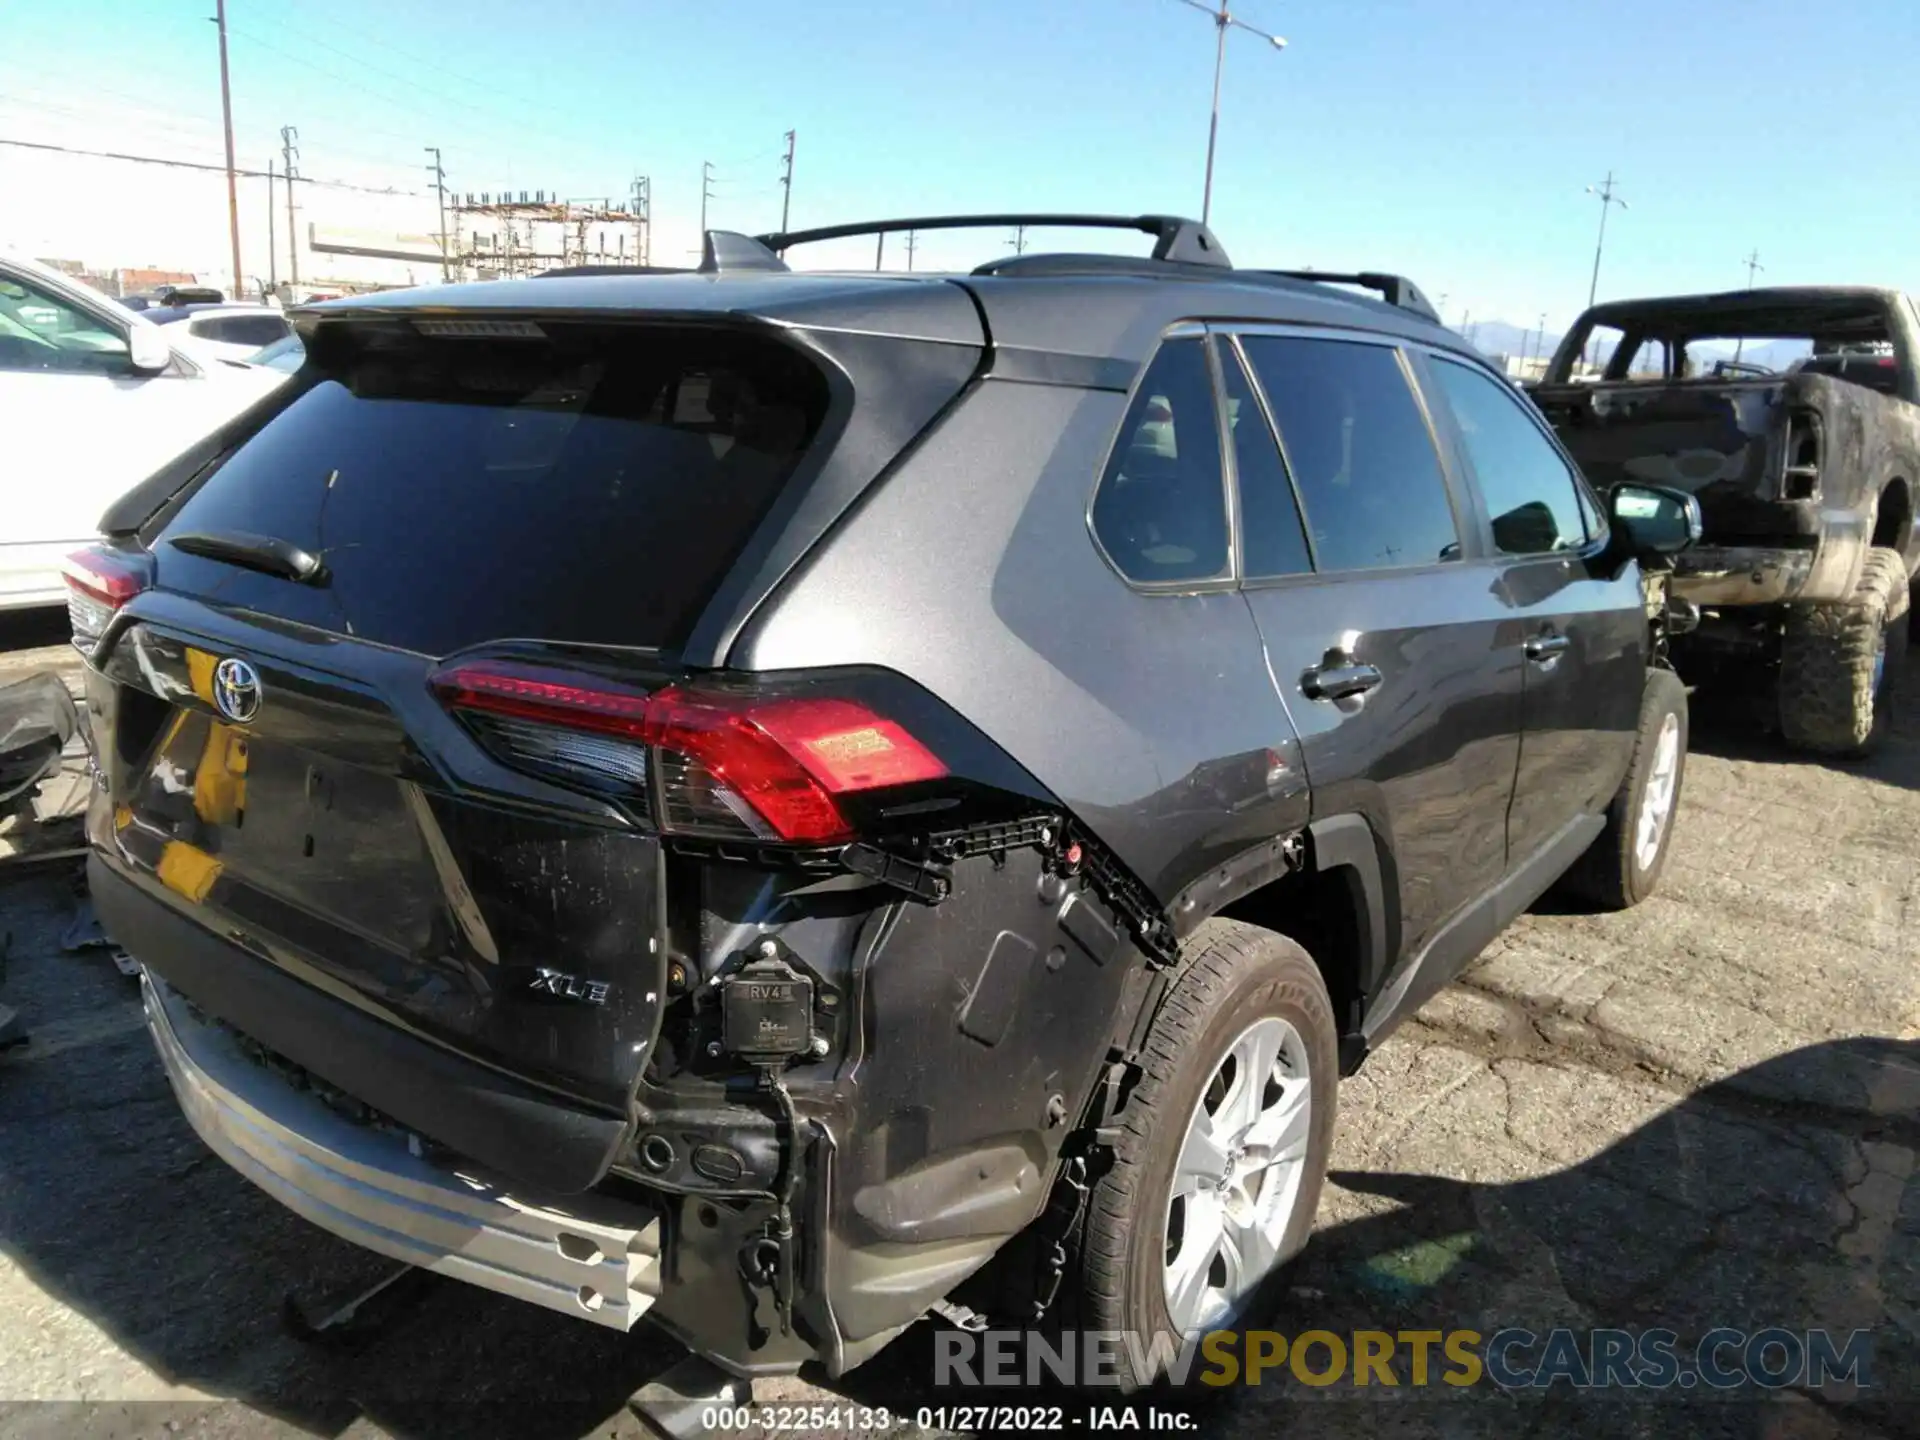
(1607, 201)
(1752, 262)
(786, 182)
(1222, 18)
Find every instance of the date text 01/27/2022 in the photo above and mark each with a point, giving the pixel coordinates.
(988, 1419)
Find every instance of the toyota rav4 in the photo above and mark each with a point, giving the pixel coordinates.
(741, 797)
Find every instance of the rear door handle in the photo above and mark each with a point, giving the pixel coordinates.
(1338, 681)
(1546, 647)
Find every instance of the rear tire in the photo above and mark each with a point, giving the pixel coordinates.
(1840, 664)
(1245, 998)
(1622, 867)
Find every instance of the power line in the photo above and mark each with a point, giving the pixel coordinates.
(411, 59)
(386, 99)
(242, 172)
(412, 84)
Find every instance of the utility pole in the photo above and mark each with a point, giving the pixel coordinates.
(289, 152)
(1752, 262)
(1019, 240)
(439, 174)
(706, 194)
(911, 243)
(1223, 20)
(226, 117)
(786, 187)
(643, 208)
(879, 248)
(273, 258)
(1608, 199)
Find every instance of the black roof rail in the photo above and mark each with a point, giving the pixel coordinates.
(1396, 290)
(1186, 241)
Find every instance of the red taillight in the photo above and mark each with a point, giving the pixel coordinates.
(728, 764)
(535, 695)
(99, 582)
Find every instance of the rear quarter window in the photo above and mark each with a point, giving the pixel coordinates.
(592, 484)
(1161, 509)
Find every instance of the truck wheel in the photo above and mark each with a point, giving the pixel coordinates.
(1622, 867)
(1840, 664)
(1222, 1146)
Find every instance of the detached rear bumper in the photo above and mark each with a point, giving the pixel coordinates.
(597, 1259)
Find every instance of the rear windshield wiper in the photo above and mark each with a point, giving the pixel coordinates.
(266, 553)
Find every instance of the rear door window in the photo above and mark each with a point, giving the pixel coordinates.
(1360, 451)
(562, 485)
(1161, 510)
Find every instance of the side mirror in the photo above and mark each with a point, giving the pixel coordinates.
(1654, 520)
(147, 348)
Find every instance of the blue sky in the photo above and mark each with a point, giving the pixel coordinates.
(1447, 139)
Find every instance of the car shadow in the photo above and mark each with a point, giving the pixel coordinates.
(1785, 1196)
(112, 1207)
(1734, 720)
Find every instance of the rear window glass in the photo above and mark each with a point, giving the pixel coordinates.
(592, 484)
(1161, 510)
(240, 329)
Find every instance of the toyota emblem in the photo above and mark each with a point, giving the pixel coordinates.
(236, 690)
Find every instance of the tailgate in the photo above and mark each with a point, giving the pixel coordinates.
(482, 911)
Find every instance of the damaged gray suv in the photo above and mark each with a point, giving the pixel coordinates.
(772, 802)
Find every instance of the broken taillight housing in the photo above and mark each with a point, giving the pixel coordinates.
(724, 764)
(99, 581)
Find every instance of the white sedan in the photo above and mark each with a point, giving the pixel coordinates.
(93, 399)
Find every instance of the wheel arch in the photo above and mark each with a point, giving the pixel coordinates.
(1336, 906)
(1893, 517)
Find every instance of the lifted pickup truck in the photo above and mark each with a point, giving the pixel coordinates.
(1805, 478)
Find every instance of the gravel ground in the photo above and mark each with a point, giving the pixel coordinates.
(1701, 1113)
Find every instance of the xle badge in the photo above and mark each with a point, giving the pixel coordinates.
(570, 987)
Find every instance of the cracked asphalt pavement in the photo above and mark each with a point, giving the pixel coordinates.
(1701, 1113)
